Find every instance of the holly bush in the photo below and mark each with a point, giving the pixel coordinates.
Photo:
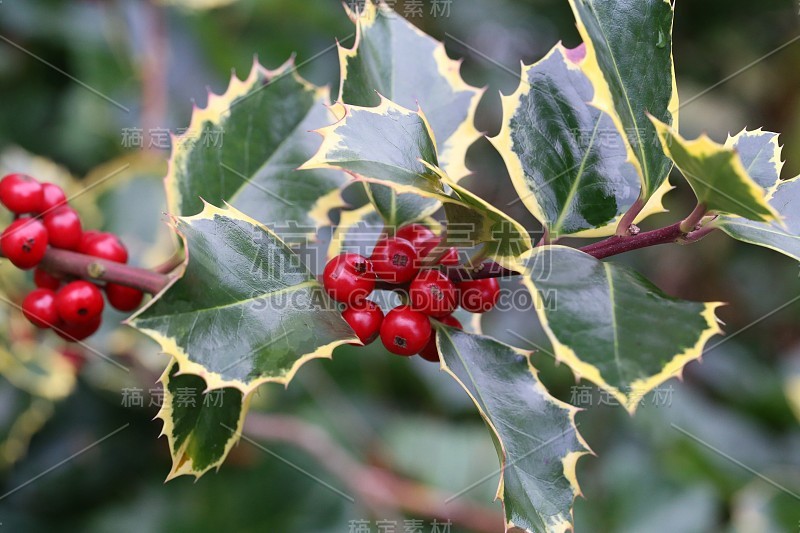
(589, 139)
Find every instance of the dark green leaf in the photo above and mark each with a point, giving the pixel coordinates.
(407, 163)
(566, 158)
(629, 61)
(783, 238)
(201, 426)
(391, 57)
(244, 147)
(535, 434)
(246, 310)
(611, 325)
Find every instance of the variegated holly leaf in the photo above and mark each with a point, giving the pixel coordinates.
(566, 158)
(611, 325)
(201, 426)
(760, 153)
(716, 174)
(630, 85)
(246, 310)
(407, 162)
(761, 156)
(535, 434)
(782, 237)
(393, 58)
(244, 147)
(399, 209)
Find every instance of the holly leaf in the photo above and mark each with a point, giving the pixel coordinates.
(244, 147)
(716, 174)
(201, 426)
(626, 91)
(393, 58)
(246, 310)
(398, 210)
(611, 325)
(408, 163)
(782, 237)
(760, 153)
(535, 435)
(566, 158)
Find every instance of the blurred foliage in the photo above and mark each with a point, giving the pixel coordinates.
(691, 464)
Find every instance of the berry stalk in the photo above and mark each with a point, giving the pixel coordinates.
(93, 268)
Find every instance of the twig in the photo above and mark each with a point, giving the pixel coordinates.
(83, 266)
(691, 222)
(629, 218)
(380, 490)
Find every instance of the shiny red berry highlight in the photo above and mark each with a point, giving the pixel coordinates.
(24, 242)
(416, 234)
(123, 298)
(79, 303)
(395, 260)
(63, 228)
(478, 296)
(39, 307)
(365, 320)
(52, 197)
(349, 278)
(405, 331)
(105, 246)
(433, 293)
(21, 194)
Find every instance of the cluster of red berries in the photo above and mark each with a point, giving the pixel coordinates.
(405, 330)
(73, 308)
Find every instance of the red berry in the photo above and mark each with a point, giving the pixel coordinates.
(39, 307)
(404, 331)
(416, 234)
(24, 242)
(79, 303)
(44, 280)
(105, 246)
(480, 295)
(52, 196)
(395, 260)
(123, 298)
(365, 320)
(78, 332)
(449, 258)
(433, 293)
(87, 237)
(431, 352)
(349, 278)
(64, 228)
(21, 194)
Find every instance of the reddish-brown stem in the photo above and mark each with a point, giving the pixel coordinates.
(691, 222)
(64, 262)
(154, 281)
(627, 220)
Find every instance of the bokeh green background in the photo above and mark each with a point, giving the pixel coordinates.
(648, 476)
